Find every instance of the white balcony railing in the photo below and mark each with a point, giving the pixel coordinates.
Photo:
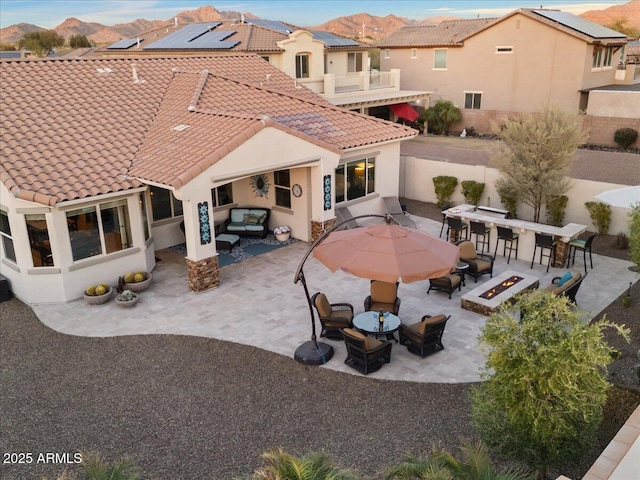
(360, 82)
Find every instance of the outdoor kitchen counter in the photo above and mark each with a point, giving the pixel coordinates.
(526, 230)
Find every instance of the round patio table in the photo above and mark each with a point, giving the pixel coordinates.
(368, 323)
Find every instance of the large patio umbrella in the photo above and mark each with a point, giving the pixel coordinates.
(388, 253)
(621, 197)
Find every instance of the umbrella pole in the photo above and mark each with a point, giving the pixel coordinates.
(314, 352)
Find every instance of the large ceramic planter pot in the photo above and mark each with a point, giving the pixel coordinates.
(127, 303)
(283, 237)
(98, 299)
(138, 287)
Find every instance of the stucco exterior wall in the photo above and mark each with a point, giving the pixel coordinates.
(302, 42)
(606, 103)
(418, 185)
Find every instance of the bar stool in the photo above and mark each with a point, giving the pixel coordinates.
(458, 226)
(583, 245)
(507, 235)
(444, 216)
(545, 242)
(480, 229)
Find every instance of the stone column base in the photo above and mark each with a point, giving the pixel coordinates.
(317, 228)
(562, 250)
(203, 274)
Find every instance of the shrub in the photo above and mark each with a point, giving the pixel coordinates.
(634, 234)
(622, 242)
(441, 116)
(472, 191)
(625, 137)
(555, 210)
(508, 199)
(444, 187)
(600, 216)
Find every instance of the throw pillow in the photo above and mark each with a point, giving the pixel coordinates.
(263, 217)
(565, 278)
(252, 219)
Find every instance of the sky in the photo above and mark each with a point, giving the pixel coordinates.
(304, 13)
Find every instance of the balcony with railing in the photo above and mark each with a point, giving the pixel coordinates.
(360, 82)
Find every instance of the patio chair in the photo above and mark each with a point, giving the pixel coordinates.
(333, 316)
(545, 242)
(444, 208)
(447, 284)
(424, 337)
(343, 214)
(479, 263)
(394, 210)
(459, 228)
(365, 354)
(384, 296)
(567, 285)
(585, 246)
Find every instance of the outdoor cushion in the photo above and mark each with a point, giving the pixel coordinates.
(252, 219)
(370, 343)
(421, 325)
(383, 292)
(253, 228)
(355, 333)
(258, 211)
(565, 278)
(237, 215)
(238, 227)
(482, 265)
(468, 251)
(323, 305)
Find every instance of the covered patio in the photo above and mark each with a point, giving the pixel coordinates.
(258, 304)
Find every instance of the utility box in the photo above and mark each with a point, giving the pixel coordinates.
(5, 289)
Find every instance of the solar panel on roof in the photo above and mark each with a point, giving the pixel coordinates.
(124, 43)
(333, 40)
(276, 25)
(181, 38)
(579, 24)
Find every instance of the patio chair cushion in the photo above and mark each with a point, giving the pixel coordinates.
(468, 251)
(565, 278)
(383, 292)
(420, 326)
(483, 265)
(369, 342)
(323, 305)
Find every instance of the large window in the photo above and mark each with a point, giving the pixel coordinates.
(145, 218)
(602, 57)
(222, 195)
(472, 100)
(7, 238)
(282, 182)
(95, 230)
(355, 179)
(39, 240)
(302, 65)
(354, 62)
(440, 59)
(164, 204)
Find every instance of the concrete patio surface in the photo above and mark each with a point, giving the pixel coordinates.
(258, 304)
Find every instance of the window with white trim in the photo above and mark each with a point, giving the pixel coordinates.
(282, 185)
(164, 204)
(473, 100)
(355, 179)
(387, 53)
(39, 240)
(354, 62)
(222, 195)
(302, 65)
(414, 53)
(602, 57)
(440, 59)
(99, 229)
(8, 251)
(504, 50)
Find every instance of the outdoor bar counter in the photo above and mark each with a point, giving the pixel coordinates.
(526, 230)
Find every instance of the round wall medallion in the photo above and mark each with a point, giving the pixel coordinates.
(297, 190)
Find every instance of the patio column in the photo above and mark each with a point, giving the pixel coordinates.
(562, 249)
(203, 274)
(317, 228)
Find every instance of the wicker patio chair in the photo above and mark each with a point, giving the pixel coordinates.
(479, 263)
(384, 296)
(365, 354)
(424, 337)
(333, 316)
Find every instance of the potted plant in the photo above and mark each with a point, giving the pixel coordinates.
(127, 298)
(282, 233)
(137, 282)
(97, 294)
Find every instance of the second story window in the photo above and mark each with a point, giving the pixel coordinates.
(440, 59)
(302, 65)
(602, 57)
(414, 53)
(387, 53)
(354, 62)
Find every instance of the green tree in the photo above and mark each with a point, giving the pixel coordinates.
(79, 41)
(441, 116)
(634, 234)
(545, 383)
(42, 42)
(314, 466)
(622, 25)
(7, 47)
(535, 155)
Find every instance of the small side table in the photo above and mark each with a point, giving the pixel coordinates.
(461, 270)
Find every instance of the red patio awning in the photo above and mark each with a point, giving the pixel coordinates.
(404, 110)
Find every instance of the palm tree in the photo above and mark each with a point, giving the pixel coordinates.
(314, 466)
(418, 468)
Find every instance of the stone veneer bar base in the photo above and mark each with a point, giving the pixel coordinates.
(203, 274)
(318, 228)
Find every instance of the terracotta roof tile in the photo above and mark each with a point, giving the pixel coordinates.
(449, 32)
(65, 125)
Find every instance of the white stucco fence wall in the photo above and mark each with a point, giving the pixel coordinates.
(416, 183)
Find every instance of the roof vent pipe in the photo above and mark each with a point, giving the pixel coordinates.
(175, 21)
(138, 40)
(134, 71)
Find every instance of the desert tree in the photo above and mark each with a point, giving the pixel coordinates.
(42, 42)
(622, 25)
(79, 41)
(545, 381)
(534, 156)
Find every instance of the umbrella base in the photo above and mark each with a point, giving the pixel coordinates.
(313, 353)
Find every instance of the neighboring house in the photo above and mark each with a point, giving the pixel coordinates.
(517, 63)
(103, 159)
(333, 66)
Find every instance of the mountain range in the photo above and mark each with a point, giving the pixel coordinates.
(362, 25)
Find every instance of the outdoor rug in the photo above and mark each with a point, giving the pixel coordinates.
(247, 247)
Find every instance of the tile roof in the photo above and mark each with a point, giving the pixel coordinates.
(72, 129)
(449, 32)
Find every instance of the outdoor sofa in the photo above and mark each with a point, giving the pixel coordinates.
(247, 221)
